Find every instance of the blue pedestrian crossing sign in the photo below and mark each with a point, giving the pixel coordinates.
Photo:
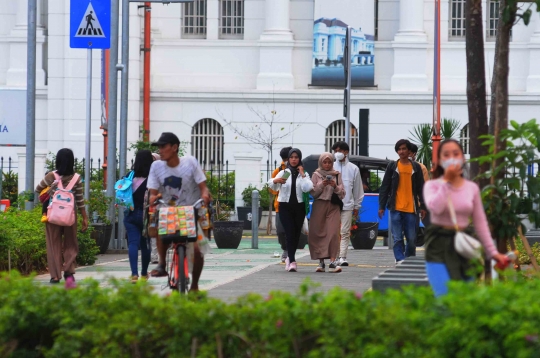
(90, 24)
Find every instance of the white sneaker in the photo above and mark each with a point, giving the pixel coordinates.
(399, 262)
(343, 261)
(334, 267)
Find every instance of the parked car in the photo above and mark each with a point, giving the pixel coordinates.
(370, 204)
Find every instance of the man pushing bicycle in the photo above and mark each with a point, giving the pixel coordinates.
(180, 181)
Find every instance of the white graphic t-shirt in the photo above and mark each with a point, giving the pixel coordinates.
(179, 186)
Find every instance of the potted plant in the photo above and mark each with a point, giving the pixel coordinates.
(98, 205)
(363, 234)
(244, 212)
(227, 233)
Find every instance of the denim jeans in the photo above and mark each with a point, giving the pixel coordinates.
(403, 223)
(133, 221)
(438, 277)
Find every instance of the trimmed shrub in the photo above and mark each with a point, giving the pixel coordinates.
(24, 235)
(128, 320)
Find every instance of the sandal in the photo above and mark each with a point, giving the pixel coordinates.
(159, 271)
(54, 280)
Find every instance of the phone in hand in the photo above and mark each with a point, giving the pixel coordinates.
(328, 177)
(286, 175)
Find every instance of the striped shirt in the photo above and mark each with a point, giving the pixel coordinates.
(77, 189)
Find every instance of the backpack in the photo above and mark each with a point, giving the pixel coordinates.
(124, 191)
(61, 210)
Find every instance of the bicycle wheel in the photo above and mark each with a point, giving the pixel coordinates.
(181, 283)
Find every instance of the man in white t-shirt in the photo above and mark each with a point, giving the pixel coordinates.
(181, 182)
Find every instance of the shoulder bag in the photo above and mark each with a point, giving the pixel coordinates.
(335, 198)
(465, 245)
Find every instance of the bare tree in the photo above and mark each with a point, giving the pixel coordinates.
(265, 133)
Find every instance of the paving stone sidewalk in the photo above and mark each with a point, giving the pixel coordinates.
(363, 266)
(230, 273)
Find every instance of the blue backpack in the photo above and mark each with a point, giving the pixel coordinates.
(124, 191)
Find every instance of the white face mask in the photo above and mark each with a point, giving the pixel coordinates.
(452, 161)
(339, 156)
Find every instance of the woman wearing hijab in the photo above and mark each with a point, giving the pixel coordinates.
(292, 183)
(325, 221)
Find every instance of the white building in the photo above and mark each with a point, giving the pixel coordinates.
(219, 60)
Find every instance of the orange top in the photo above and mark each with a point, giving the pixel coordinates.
(404, 195)
(275, 193)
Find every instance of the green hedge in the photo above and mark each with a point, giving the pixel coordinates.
(24, 235)
(129, 321)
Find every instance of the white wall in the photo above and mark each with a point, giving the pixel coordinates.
(198, 78)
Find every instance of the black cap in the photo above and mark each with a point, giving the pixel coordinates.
(167, 138)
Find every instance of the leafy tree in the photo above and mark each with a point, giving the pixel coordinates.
(514, 189)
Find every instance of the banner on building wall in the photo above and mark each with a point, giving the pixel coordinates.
(331, 18)
(12, 117)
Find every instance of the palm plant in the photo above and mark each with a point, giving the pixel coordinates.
(422, 138)
(449, 128)
(422, 134)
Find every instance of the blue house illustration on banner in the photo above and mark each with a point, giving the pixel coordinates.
(329, 43)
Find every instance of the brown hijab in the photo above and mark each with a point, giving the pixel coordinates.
(323, 172)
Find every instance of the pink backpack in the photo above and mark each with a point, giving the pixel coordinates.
(61, 210)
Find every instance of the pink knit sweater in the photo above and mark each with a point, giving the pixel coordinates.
(467, 204)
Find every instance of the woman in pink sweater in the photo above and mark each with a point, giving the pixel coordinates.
(443, 263)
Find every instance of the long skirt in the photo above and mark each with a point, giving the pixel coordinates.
(324, 228)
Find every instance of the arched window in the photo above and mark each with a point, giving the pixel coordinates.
(465, 139)
(336, 133)
(207, 143)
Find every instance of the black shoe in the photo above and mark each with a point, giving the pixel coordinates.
(54, 281)
(159, 271)
(321, 267)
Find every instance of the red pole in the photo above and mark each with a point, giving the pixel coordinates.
(436, 138)
(146, 76)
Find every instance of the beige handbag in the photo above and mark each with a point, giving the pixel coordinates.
(465, 245)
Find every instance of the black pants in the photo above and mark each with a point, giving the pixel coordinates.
(281, 233)
(292, 218)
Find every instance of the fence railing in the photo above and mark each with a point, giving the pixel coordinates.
(96, 168)
(221, 182)
(266, 173)
(6, 164)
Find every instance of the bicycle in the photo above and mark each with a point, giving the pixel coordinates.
(178, 261)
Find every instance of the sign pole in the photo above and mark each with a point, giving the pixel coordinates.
(113, 116)
(88, 125)
(124, 103)
(347, 66)
(31, 100)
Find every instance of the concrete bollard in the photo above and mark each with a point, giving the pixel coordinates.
(255, 219)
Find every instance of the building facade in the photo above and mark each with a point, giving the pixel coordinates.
(220, 67)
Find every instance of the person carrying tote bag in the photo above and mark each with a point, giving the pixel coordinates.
(62, 245)
(453, 201)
